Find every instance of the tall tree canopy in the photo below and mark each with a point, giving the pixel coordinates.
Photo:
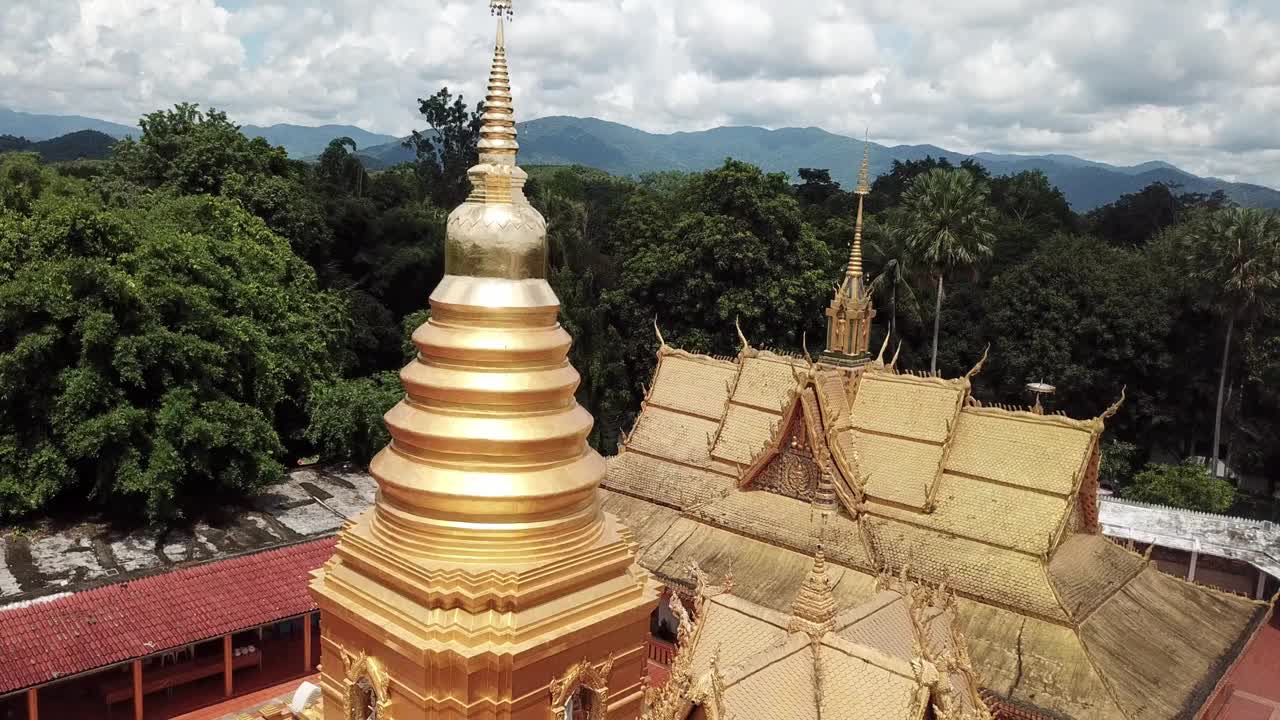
(448, 149)
(152, 357)
(947, 222)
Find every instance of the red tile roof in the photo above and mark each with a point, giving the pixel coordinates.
(128, 620)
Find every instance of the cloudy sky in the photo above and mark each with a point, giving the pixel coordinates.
(1196, 82)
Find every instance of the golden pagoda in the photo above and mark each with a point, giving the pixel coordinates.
(486, 581)
(850, 314)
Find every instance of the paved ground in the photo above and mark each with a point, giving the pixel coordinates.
(308, 502)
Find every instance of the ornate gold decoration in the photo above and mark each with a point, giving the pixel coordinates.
(487, 542)
(813, 611)
(365, 671)
(850, 313)
(582, 675)
(977, 368)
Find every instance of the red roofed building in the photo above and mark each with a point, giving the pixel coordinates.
(124, 641)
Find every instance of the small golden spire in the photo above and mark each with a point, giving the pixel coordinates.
(814, 610)
(864, 174)
(854, 274)
(498, 132)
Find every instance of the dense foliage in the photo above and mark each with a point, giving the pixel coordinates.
(185, 318)
(1188, 485)
(152, 356)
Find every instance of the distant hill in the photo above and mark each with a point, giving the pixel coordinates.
(43, 127)
(302, 142)
(623, 150)
(81, 145)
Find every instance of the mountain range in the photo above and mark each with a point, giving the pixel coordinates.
(623, 150)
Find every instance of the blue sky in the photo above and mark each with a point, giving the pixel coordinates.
(1195, 82)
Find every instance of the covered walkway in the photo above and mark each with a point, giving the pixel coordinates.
(164, 645)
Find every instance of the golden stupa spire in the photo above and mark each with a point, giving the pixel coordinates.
(854, 284)
(814, 609)
(487, 543)
(850, 313)
(498, 132)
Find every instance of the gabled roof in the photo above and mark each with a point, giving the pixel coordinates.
(45, 641)
(997, 503)
(875, 661)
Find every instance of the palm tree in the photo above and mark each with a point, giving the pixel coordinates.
(1236, 252)
(886, 241)
(947, 225)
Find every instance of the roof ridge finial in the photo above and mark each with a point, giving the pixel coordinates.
(498, 144)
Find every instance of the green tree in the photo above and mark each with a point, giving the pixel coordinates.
(947, 222)
(894, 283)
(194, 152)
(190, 152)
(448, 149)
(341, 168)
(1030, 210)
(1188, 486)
(152, 358)
(1236, 254)
(346, 414)
(735, 222)
(1119, 462)
(1090, 318)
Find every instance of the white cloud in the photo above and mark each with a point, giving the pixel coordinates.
(1196, 82)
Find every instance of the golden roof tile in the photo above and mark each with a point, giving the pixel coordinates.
(664, 482)
(887, 627)
(1000, 515)
(766, 381)
(692, 384)
(895, 469)
(745, 433)
(789, 523)
(1088, 569)
(907, 406)
(1041, 452)
(672, 435)
(991, 573)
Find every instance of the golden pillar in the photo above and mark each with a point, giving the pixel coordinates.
(486, 581)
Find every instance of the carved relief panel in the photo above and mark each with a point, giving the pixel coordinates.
(367, 688)
(582, 693)
(793, 472)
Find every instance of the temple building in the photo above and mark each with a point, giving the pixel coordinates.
(889, 547)
(730, 461)
(486, 572)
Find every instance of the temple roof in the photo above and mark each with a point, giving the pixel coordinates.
(891, 656)
(999, 504)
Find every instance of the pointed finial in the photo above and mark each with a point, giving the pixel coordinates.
(864, 174)
(884, 346)
(657, 331)
(893, 364)
(978, 367)
(746, 346)
(500, 8)
(1115, 407)
(853, 282)
(498, 144)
